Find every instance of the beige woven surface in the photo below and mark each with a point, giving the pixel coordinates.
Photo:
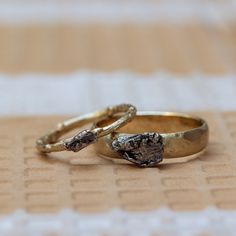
(62, 48)
(40, 184)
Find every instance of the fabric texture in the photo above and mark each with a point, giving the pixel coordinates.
(84, 92)
(67, 57)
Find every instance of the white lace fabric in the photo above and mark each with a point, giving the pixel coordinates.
(119, 223)
(86, 91)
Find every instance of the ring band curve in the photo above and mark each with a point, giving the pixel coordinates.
(155, 137)
(49, 142)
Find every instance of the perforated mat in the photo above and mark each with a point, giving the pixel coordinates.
(41, 184)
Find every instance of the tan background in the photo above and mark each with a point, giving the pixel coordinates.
(63, 48)
(39, 184)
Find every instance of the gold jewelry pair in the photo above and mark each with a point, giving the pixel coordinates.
(151, 138)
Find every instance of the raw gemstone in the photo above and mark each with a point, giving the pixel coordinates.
(142, 149)
(80, 141)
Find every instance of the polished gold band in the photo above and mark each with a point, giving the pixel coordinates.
(49, 142)
(154, 137)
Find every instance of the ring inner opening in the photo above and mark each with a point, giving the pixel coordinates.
(156, 123)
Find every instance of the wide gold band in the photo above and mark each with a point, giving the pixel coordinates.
(182, 137)
(49, 142)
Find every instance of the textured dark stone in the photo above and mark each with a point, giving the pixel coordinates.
(80, 141)
(142, 149)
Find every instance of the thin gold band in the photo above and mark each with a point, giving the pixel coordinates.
(154, 137)
(49, 142)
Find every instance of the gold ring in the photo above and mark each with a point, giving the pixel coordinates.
(49, 142)
(155, 137)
